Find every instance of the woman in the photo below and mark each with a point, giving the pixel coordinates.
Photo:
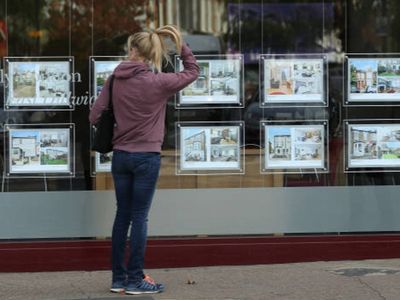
(139, 99)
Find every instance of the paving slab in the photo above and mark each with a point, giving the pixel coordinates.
(347, 280)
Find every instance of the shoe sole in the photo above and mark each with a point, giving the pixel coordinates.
(117, 290)
(141, 292)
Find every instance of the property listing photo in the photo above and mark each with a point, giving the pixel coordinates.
(373, 80)
(101, 70)
(210, 148)
(373, 145)
(39, 150)
(293, 146)
(219, 83)
(293, 81)
(38, 84)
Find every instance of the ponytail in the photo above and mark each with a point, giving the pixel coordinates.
(152, 47)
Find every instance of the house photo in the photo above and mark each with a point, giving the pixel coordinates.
(279, 143)
(24, 148)
(363, 75)
(54, 156)
(102, 70)
(54, 138)
(194, 145)
(23, 80)
(363, 143)
(389, 76)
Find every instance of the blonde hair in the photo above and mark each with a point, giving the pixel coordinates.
(152, 47)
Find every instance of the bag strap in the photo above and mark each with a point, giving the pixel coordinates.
(110, 104)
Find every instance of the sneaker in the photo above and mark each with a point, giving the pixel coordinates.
(144, 287)
(118, 287)
(152, 281)
(149, 279)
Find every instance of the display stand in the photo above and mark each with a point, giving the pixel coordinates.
(39, 150)
(219, 85)
(371, 80)
(210, 148)
(39, 83)
(294, 147)
(295, 80)
(372, 145)
(101, 67)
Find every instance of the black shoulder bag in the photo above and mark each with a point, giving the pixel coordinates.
(104, 128)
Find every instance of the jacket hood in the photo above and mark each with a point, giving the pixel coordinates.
(128, 69)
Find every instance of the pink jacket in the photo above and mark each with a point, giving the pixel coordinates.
(139, 100)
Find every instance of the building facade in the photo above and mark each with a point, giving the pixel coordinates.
(270, 70)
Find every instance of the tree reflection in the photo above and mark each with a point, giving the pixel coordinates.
(55, 27)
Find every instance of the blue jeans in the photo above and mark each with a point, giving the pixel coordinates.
(135, 178)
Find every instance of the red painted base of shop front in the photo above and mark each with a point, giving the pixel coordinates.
(69, 255)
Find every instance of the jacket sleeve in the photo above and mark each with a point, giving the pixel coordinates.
(100, 104)
(174, 82)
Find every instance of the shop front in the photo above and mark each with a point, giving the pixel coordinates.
(286, 148)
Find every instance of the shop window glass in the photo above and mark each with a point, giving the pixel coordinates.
(37, 30)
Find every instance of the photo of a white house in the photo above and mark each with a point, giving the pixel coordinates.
(194, 145)
(54, 147)
(279, 143)
(24, 150)
(54, 138)
(102, 70)
(295, 146)
(24, 77)
(209, 148)
(363, 143)
(374, 145)
(39, 150)
(54, 156)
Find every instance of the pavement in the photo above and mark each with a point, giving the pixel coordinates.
(350, 280)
